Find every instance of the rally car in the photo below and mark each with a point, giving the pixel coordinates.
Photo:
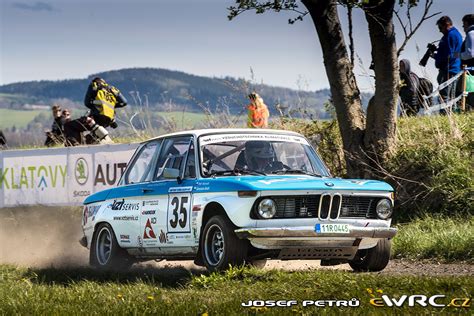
(233, 196)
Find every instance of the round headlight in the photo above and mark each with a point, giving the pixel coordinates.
(266, 208)
(384, 209)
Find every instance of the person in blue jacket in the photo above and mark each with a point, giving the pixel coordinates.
(447, 55)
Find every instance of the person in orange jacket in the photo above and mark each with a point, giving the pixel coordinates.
(257, 112)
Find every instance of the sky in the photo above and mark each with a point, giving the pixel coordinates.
(70, 39)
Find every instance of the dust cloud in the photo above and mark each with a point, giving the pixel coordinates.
(42, 237)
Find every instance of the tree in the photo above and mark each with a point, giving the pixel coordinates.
(366, 138)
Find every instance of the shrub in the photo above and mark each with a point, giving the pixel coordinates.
(431, 168)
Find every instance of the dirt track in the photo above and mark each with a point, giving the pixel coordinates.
(47, 237)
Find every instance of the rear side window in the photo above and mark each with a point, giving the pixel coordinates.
(141, 168)
(173, 155)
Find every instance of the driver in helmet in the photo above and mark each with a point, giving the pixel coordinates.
(260, 156)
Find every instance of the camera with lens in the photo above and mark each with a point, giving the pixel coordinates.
(431, 48)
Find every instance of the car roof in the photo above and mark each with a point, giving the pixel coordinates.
(211, 131)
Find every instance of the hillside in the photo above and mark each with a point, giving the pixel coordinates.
(160, 87)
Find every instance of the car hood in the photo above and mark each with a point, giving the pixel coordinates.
(291, 182)
(253, 183)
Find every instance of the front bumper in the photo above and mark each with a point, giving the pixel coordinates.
(83, 241)
(309, 231)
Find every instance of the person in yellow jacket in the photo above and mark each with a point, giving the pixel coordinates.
(102, 99)
(257, 112)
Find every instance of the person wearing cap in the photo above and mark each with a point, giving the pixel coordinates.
(257, 112)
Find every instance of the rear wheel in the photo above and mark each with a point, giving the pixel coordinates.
(220, 247)
(373, 259)
(105, 252)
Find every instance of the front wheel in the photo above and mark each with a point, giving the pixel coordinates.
(373, 259)
(220, 247)
(105, 252)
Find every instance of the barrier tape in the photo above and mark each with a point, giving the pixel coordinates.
(441, 106)
(443, 85)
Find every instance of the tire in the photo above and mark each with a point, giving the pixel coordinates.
(373, 259)
(220, 247)
(105, 252)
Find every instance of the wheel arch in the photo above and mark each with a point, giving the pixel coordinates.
(96, 225)
(213, 209)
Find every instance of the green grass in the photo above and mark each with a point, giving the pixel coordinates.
(175, 291)
(184, 120)
(17, 118)
(442, 238)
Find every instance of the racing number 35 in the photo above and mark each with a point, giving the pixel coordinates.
(178, 214)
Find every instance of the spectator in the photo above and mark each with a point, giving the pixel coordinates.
(56, 135)
(467, 50)
(257, 112)
(448, 65)
(102, 99)
(3, 140)
(412, 89)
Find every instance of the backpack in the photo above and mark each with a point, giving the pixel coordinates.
(425, 88)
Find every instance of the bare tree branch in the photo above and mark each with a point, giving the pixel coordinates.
(408, 29)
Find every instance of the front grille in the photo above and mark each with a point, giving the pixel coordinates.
(297, 206)
(358, 206)
(329, 206)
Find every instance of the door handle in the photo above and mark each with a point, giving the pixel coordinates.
(145, 190)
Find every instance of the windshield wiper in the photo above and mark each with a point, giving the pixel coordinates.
(284, 171)
(250, 171)
(235, 172)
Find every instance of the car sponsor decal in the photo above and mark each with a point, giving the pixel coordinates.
(163, 238)
(150, 203)
(148, 233)
(120, 205)
(212, 139)
(180, 189)
(125, 218)
(125, 238)
(151, 212)
(90, 211)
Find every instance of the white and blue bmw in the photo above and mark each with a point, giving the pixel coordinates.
(231, 196)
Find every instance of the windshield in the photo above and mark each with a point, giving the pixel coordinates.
(258, 154)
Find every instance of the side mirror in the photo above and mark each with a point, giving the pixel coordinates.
(170, 173)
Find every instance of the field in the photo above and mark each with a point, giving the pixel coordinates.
(43, 270)
(175, 291)
(17, 118)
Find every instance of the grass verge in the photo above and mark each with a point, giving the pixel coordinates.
(180, 292)
(445, 239)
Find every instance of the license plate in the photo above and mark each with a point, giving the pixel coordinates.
(332, 228)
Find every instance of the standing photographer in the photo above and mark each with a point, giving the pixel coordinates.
(445, 57)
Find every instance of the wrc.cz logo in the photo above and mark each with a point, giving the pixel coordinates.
(438, 300)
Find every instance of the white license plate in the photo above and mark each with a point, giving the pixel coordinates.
(332, 228)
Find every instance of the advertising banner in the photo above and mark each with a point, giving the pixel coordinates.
(60, 176)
